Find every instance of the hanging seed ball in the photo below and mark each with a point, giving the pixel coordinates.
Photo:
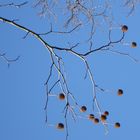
(83, 109)
(106, 113)
(134, 45)
(60, 126)
(120, 92)
(103, 118)
(124, 28)
(96, 120)
(117, 125)
(91, 116)
(61, 96)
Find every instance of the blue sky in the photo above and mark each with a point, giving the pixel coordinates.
(22, 90)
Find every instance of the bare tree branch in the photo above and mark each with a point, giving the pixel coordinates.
(8, 61)
(14, 5)
(89, 12)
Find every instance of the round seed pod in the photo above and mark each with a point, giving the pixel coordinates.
(61, 96)
(120, 92)
(124, 28)
(103, 118)
(96, 120)
(83, 109)
(60, 126)
(106, 113)
(134, 45)
(117, 125)
(91, 116)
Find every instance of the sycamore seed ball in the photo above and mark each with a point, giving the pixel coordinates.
(117, 125)
(120, 92)
(61, 96)
(60, 126)
(134, 45)
(91, 116)
(83, 109)
(124, 28)
(106, 113)
(96, 120)
(103, 118)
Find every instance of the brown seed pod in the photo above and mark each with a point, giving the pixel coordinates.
(106, 113)
(134, 45)
(120, 92)
(117, 125)
(60, 126)
(91, 116)
(96, 120)
(61, 96)
(124, 28)
(103, 118)
(83, 109)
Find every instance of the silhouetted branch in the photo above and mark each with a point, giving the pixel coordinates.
(125, 54)
(7, 60)
(60, 32)
(57, 63)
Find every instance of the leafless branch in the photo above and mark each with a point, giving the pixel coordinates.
(125, 54)
(14, 5)
(131, 4)
(7, 60)
(57, 66)
(60, 32)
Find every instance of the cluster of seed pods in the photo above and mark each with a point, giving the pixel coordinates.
(96, 120)
(124, 29)
(103, 116)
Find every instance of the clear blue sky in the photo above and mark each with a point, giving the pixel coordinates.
(22, 90)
